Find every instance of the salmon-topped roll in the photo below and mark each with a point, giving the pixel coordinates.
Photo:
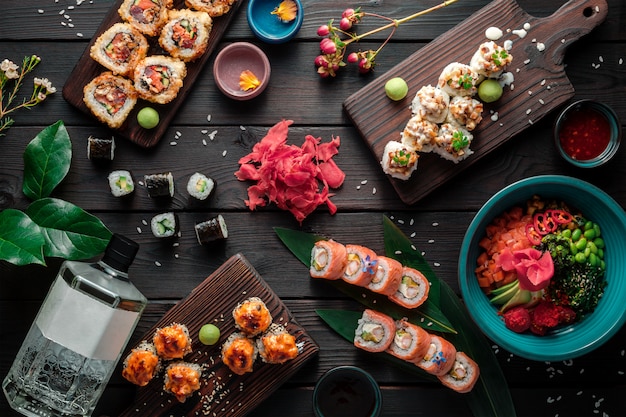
(239, 353)
(110, 98)
(173, 341)
(328, 259)
(387, 276)
(439, 357)
(159, 78)
(141, 364)
(277, 345)
(147, 16)
(375, 331)
(252, 316)
(361, 266)
(463, 375)
(182, 379)
(119, 49)
(186, 34)
(413, 289)
(213, 7)
(410, 342)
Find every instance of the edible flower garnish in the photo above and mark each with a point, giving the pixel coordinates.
(248, 81)
(286, 11)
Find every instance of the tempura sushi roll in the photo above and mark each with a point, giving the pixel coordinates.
(159, 185)
(361, 265)
(439, 357)
(413, 289)
(465, 111)
(453, 143)
(399, 160)
(159, 78)
(463, 375)
(490, 59)
(200, 186)
(110, 98)
(119, 49)
(100, 149)
(410, 342)
(328, 259)
(252, 316)
(172, 342)
(141, 364)
(431, 103)
(121, 183)
(182, 379)
(164, 225)
(213, 7)
(211, 230)
(375, 331)
(186, 34)
(419, 134)
(239, 353)
(458, 79)
(276, 345)
(387, 276)
(147, 16)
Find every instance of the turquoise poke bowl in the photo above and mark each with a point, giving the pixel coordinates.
(566, 341)
(267, 26)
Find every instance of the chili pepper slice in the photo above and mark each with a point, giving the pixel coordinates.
(544, 223)
(561, 216)
(533, 236)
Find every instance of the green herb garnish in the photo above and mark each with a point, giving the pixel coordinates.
(459, 141)
(499, 56)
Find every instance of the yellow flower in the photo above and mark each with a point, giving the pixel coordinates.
(248, 81)
(286, 10)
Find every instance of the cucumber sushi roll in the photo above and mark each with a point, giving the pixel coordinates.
(200, 186)
(160, 185)
(110, 98)
(159, 78)
(121, 183)
(186, 34)
(211, 230)
(164, 225)
(147, 16)
(119, 49)
(101, 149)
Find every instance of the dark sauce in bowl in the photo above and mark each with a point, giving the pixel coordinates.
(347, 391)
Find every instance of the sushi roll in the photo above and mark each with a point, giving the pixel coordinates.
(399, 160)
(100, 149)
(172, 342)
(182, 379)
(239, 353)
(439, 357)
(410, 342)
(375, 331)
(463, 375)
(186, 34)
(413, 289)
(159, 78)
(387, 277)
(458, 79)
(121, 183)
(164, 225)
(328, 259)
(276, 345)
(465, 111)
(200, 186)
(453, 143)
(252, 316)
(211, 230)
(119, 49)
(419, 134)
(431, 103)
(110, 98)
(141, 364)
(214, 8)
(490, 59)
(361, 265)
(159, 185)
(147, 16)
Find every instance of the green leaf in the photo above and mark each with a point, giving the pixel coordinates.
(69, 231)
(299, 243)
(21, 242)
(46, 161)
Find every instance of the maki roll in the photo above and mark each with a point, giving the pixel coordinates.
(213, 7)
(419, 134)
(159, 185)
(328, 259)
(200, 186)
(147, 16)
(121, 183)
(182, 379)
(110, 98)
(375, 331)
(141, 364)
(465, 111)
(413, 289)
(252, 316)
(399, 160)
(211, 230)
(159, 78)
(439, 357)
(431, 103)
(453, 143)
(172, 342)
(458, 79)
(100, 149)
(276, 345)
(164, 225)
(119, 49)
(490, 59)
(410, 342)
(186, 34)
(361, 265)
(463, 375)
(239, 353)
(387, 277)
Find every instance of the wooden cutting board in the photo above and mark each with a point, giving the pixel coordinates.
(541, 84)
(222, 392)
(87, 69)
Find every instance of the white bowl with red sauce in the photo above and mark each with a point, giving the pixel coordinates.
(587, 133)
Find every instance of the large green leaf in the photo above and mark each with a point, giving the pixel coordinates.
(47, 161)
(69, 231)
(21, 242)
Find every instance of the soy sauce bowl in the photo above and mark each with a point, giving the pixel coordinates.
(587, 133)
(232, 61)
(267, 26)
(347, 391)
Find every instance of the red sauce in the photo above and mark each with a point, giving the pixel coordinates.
(585, 134)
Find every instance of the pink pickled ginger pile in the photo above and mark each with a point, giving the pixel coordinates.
(295, 178)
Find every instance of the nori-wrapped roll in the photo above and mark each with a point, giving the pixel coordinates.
(211, 230)
(100, 149)
(160, 185)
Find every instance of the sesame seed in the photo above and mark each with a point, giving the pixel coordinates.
(358, 187)
(374, 190)
(79, 34)
(40, 11)
(363, 182)
(62, 12)
(436, 264)
(435, 224)
(621, 61)
(541, 101)
(400, 221)
(600, 58)
(173, 143)
(528, 111)
(144, 222)
(224, 152)
(204, 142)
(157, 263)
(411, 222)
(527, 61)
(208, 118)
(242, 128)
(431, 240)
(138, 229)
(413, 234)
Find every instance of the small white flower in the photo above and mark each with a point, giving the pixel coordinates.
(10, 69)
(41, 96)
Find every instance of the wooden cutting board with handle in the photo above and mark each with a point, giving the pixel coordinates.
(540, 86)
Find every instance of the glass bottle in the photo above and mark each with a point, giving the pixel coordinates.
(76, 340)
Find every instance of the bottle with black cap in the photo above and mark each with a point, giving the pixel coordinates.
(78, 336)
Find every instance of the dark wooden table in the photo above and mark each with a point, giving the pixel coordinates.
(587, 386)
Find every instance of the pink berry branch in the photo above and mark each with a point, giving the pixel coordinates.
(336, 40)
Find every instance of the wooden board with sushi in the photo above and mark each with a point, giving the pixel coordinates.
(213, 301)
(148, 50)
(538, 46)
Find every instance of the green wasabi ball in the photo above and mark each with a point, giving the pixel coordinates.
(148, 118)
(209, 334)
(396, 88)
(489, 90)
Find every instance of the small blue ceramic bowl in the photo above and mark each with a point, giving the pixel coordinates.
(578, 338)
(267, 26)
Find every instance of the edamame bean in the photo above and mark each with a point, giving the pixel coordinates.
(593, 260)
(581, 244)
(588, 225)
(587, 252)
(592, 247)
(599, 242)
(572, 249)
(576, 234)
(590, 234)
(567, 233)
(596, 227)
(580, 258)
(600, 253)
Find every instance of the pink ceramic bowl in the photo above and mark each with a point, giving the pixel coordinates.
(231, 61)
